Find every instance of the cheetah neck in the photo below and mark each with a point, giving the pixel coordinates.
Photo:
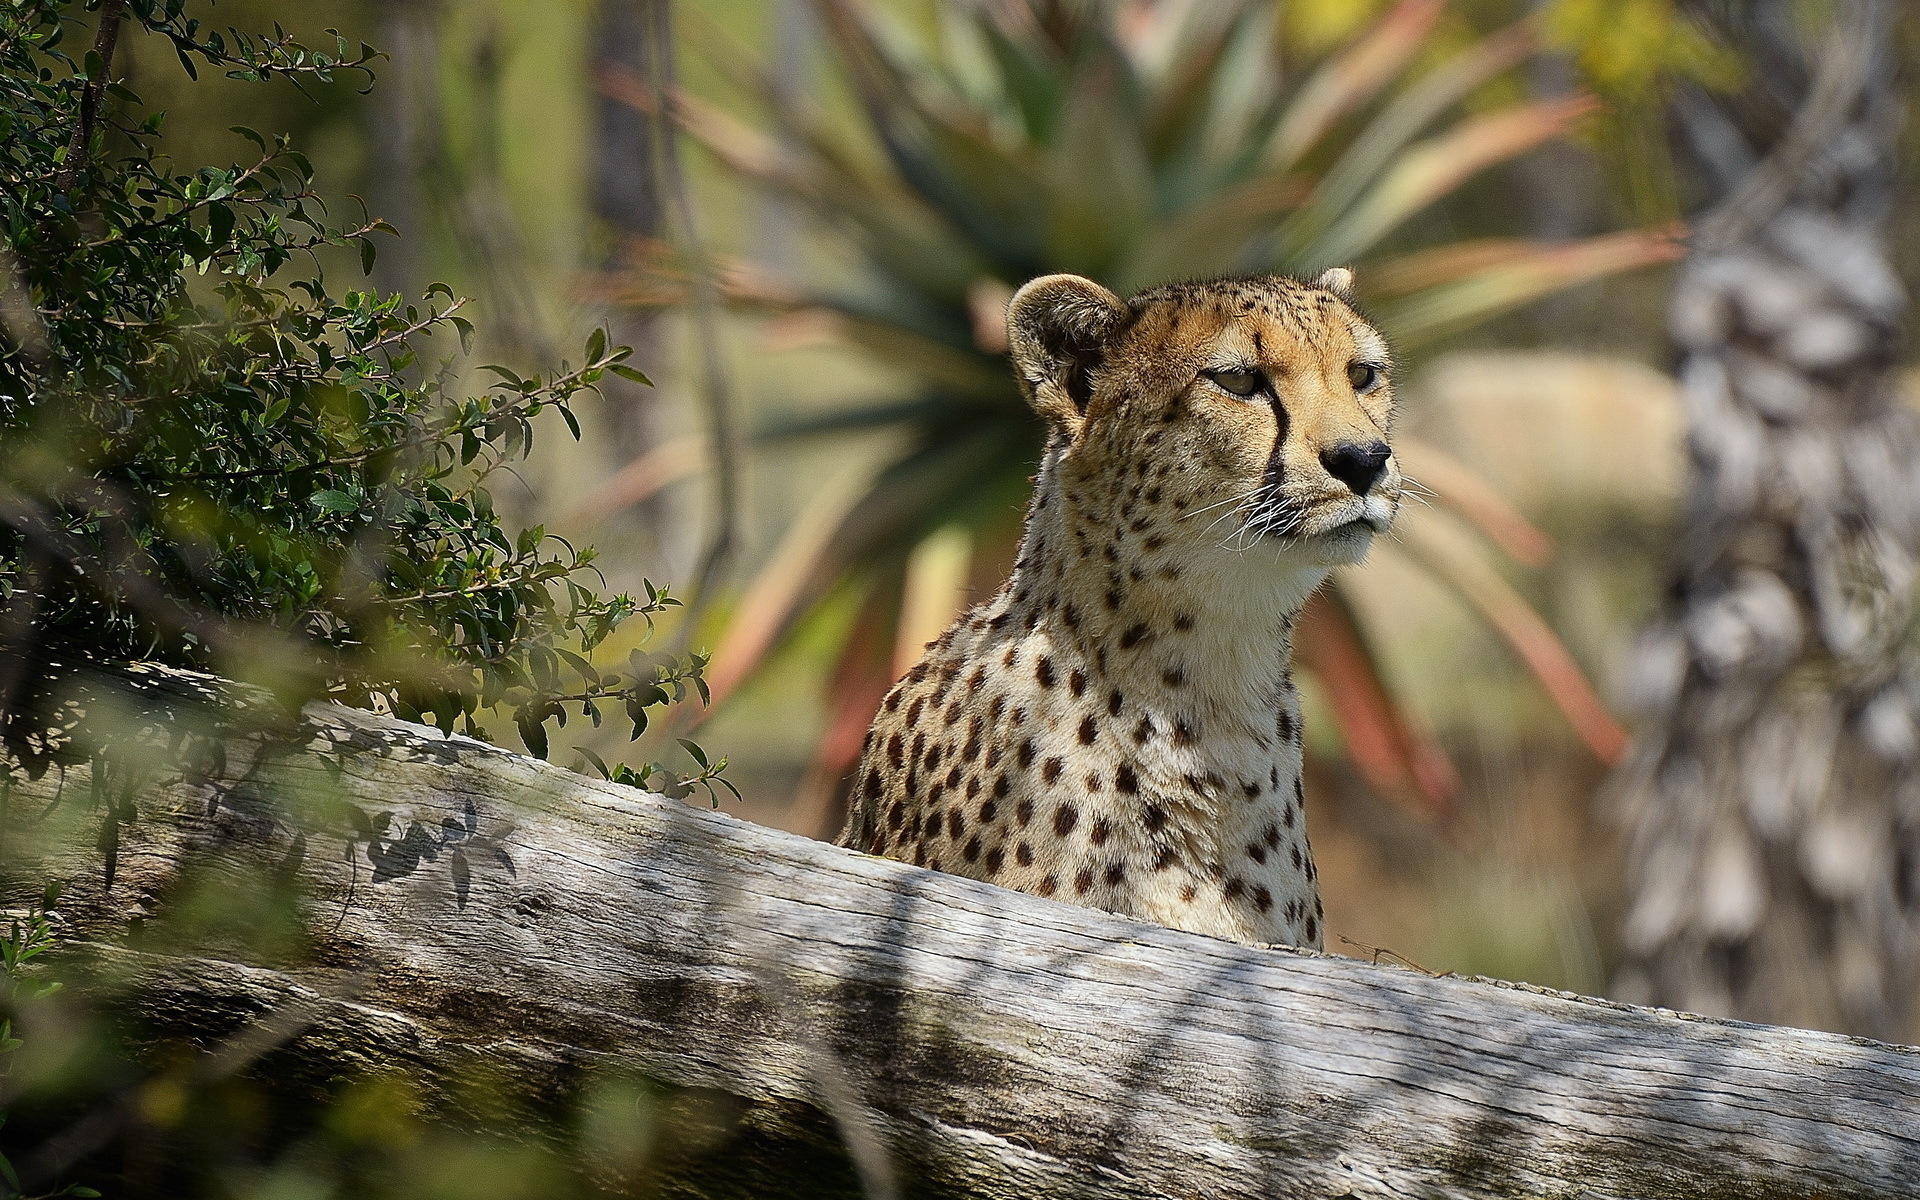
(1206, 630)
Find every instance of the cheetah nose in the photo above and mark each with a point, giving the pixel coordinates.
(1355, 465)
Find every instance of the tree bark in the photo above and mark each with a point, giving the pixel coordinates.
(1774, 795)
(864, 1026)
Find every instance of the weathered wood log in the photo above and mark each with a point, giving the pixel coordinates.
(506, 916)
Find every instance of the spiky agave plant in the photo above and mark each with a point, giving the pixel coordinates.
(1131, 144)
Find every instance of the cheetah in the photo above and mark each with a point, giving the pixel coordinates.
(1118, 726)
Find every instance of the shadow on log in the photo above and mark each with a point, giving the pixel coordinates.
(827, 1023)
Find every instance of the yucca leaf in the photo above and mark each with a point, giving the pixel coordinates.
(1432, 169)
(846, 523)
(769, 602)
(1383, 742)
(1499, 276)
(1458, 564)
(947, 156)
(1211, 237)
(1345, 83)
(1101, 194)
(858, 683)
(865, 418)
(904, 235)
(1402, 120)
(1462, 490)
(1182, 110)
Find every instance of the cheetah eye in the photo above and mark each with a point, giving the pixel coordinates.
(1240, 383)
(1363, 376)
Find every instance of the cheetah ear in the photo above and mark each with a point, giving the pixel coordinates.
(1338, 280)
(1058, 328)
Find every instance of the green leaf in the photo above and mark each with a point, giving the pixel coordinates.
(633, 373)
(693, 751)
(333, 501)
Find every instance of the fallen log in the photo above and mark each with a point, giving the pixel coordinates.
(838, 1024)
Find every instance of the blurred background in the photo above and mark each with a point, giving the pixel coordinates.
(834, 460)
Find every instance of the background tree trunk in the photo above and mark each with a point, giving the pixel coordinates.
(522, 943)
(1774, 794)
(626, 198)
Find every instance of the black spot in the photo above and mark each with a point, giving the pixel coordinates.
(1133, 636)
(1174, 677)
(1076, 682)
(1256, 852)
(1251, 789)
(1102, 830)
(896, 752)
(1050, 770)
(1143, 731)
(1065, 818)
(953, 776)
(1125, 780)
(913, 710)
(1182, 733)
(1166, 858)
(1313, 929)
(1023, 813)
(956, 824)
(953, 712)
(1088, 731)
(1113, 704)
(1023, 854)
(1043, 671)
(1296, 856)
(1000, 788)
(972, 852)
(1116, 871)
(1154, 818)
(1262, 898)
(994, 858)
(1026, 754)
(1048, 886)
(1183, 622)
(873, 783)
(1271, 837)
(1093, 781)
(1234, 888)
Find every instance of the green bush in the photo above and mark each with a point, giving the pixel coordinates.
(209, 458)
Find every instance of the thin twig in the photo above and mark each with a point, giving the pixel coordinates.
(103, 43)
(716, 389)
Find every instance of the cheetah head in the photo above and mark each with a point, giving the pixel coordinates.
(1258, 407)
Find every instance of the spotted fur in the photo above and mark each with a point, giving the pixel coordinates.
(1118, 725)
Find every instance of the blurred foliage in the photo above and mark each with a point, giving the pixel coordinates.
(1631, 53)
(213, 461)
(210, 459)
(1133, 144)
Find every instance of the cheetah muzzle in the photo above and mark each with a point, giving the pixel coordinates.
(1118, 725)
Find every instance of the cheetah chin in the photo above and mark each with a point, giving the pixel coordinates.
(1118, 726)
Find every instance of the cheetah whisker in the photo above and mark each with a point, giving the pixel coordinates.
(1246, 495)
